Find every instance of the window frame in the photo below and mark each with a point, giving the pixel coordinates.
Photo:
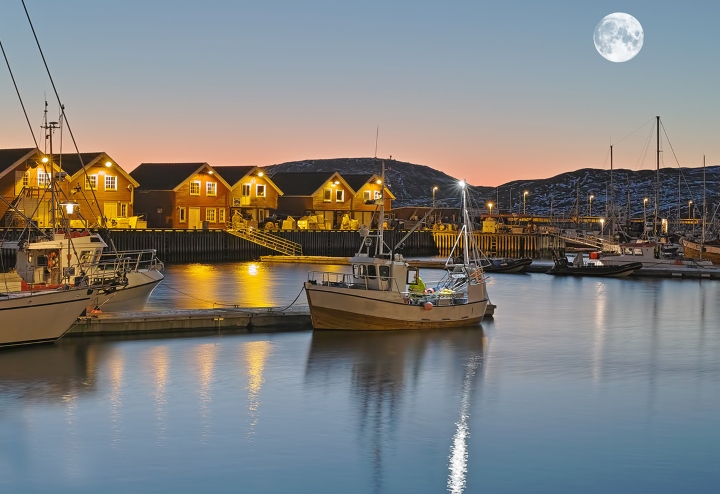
(214, 215)
(123, 210)
(367, 195)
(89, 185)
(112, 178)
(208, 186)
(182, 215)
(377, 195)
(339, 195)
(258, 188)
(198, 183)
(221, 215)
(45, 182)
(327, 195)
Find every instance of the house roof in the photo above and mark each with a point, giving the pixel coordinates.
(357, 181)
(301, 183)
(168, 176)
(9, 157)
(71, 164)
(232, 174)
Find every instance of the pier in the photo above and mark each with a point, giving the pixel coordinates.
(175, 321)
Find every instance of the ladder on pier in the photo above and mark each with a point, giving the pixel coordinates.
(268, 240)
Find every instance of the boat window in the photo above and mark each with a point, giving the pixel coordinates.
(412, 276)
(42, 260)
(359, 271)
(384, 272)
(371, 271)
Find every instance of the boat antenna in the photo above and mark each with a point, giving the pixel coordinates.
(657, 178)
(702, 233)
(377, 135)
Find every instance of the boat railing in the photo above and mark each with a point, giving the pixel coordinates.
(350, 280)
(134, 260)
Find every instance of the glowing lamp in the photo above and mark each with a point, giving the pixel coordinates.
(69, 206)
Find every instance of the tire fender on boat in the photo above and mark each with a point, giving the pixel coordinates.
(428, 305)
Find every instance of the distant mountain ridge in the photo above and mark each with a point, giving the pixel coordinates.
(412, 185)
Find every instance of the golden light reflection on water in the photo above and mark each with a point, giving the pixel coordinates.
(255, 354)
(600, 329)
(207, 277)
(205, 358)
(256, 290)
(160, 365)
(116, 367)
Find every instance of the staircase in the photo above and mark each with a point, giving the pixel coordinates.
(598, 243)
(268, 240)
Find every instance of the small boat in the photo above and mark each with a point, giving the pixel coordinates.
(654, 260)
(505, 265)
(709, 250)
(384, 292)
(593, 267)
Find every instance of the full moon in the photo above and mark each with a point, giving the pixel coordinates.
(618, 37)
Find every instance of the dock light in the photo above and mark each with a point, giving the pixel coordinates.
(378, 181)
(45, 159)
(689, 210)
(260, 174)
(525, 194)
(337, 182)
(490, 205)
(69, 206)
(108, 164)
(433, 195)
(462, 184)
(210, 172)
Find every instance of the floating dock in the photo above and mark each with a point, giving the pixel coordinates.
(113, 323)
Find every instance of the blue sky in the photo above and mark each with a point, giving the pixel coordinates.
(492, 91)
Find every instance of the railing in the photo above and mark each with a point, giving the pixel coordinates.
(268, 240)
(594, 242)
(134, 260)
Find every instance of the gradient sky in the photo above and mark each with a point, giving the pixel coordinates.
(483, 90)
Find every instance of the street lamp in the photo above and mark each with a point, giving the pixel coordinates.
(490, 205)
(602, 226)
(689, 210)
(525, 201)
(590, 198)
(433, 194)
(644, 213)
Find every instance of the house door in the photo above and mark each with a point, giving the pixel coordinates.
(194, 219)
(110, 211)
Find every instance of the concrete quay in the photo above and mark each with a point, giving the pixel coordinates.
(114, 323)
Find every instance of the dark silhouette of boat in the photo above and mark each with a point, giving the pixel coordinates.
(578, 267)
(505, 265)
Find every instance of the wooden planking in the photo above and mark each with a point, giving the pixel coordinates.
(324, 318)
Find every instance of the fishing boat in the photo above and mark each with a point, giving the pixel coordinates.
(709, 250)
(650, 254)
(383, 292)
(590, 267)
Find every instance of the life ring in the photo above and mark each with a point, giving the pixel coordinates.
(429, 291)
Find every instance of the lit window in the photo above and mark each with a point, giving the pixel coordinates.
(43, 179)
(339, 196)
(367, 195)
(327, 196)
(26, 179)
(91, 182)
(195, 188)
(210, 215)
(181, 215)
(260, 190)
(221, 215)
(211, 188)
(123, 210)
(377, 194)
(110, 182)
(246, 190)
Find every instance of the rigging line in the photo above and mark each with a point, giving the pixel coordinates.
(7, 62)
(684, 179)
(62, 107)
(631, 133)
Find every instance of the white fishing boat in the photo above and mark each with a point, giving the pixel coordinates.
(128, 277)
(30, 317)
(384, 293)
(650, 254)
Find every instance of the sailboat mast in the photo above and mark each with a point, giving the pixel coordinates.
(657, 176)
(466, 221)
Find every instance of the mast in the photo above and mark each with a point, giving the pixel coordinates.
(381, 217)
(49, 127)
(466, 221)
(702, 234)
(657, 177)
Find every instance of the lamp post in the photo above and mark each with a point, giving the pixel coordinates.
(590, 198)
(602, 226)
(433, 195)
(689, 209)
(644, 213)
(525, 201)
(490, 205)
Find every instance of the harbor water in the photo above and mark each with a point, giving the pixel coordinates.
(577, 385)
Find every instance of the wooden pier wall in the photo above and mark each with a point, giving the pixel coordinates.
(177, 246)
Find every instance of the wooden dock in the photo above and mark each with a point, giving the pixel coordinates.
(178, 321)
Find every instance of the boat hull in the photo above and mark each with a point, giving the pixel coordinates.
(697, 251)
(40, 317)
(615, 271)
(507, 266)
(353, 309)
(133, 296)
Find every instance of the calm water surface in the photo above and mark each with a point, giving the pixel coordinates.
(578, 385)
